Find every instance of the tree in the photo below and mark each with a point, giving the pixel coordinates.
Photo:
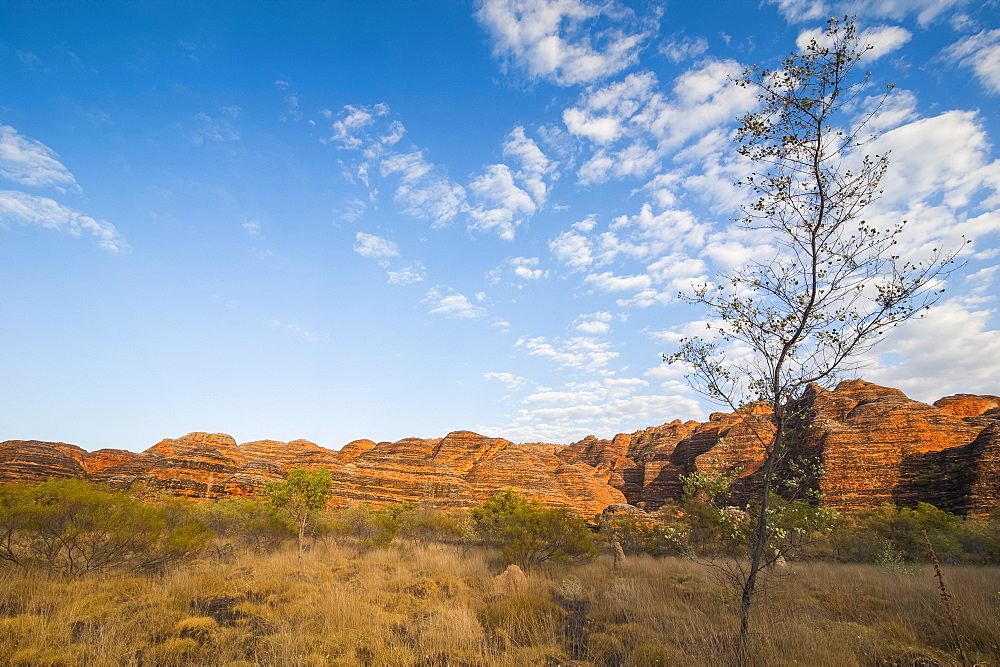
(301, 495)
(833, 287)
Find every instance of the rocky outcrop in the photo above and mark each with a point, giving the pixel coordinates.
(875, 445)
(33, 461)
(462, 469)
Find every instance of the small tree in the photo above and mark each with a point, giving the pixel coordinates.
(300, 496)
(834, 285)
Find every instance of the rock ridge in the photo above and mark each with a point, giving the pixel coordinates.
(875, 444)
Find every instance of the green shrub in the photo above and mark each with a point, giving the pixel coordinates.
(74, 527)
(529, 534)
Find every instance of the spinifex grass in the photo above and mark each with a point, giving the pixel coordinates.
(435, 605)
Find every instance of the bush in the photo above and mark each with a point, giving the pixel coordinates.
(887, 532)
(74, 527)
(245, 521)
(529, 534)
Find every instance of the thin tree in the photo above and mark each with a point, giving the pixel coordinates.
(834, 285)
(301, 495)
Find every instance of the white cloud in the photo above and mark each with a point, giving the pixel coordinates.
(572, 249)
(561, 40)
(684, 48)
(370, 245)
(527, 268)
(211, 128)
(941, 164)
(883, 40)
(506, 197)
(981, 54)
(510, 381)
(29, 210)
(580, 353)
(534, 164)
(252, 229)
(634, 126)
(504, 204)
(348, 129)
(446, 301)
(407, 275)
(609, 282)
(927, 11)
(424, 191)
(30, 162)
(594, 323)
(292, 111)
(951, 350)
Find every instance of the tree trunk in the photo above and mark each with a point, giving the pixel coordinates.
(761, 534)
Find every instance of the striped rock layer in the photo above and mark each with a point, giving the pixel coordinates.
(875, 445)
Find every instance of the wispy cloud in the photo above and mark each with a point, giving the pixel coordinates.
(30, 210)
(580, 353)
(407, 275)
(29, 162)
(981, 54)
(308, 334)
(253, 229)
(216, 128)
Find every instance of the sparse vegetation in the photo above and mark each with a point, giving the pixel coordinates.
(417, 589)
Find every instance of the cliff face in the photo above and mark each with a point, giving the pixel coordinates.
(875, 444)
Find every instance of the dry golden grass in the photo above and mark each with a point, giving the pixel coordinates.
(436, 606)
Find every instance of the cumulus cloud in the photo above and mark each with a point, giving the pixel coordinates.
(533, 164)
(446, 301)
(939, 167)
(981, 54)
(634, 125)
(881, 40)
(565, 41)
(29, 162)
(505, 204)
(29, 210)
(505, 196)
(527, 268)
(594, 323)
(952, 349)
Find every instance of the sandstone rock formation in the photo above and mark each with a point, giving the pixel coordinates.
(875, 444)
(462, 469)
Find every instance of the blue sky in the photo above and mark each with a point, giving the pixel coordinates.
(341, 220)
